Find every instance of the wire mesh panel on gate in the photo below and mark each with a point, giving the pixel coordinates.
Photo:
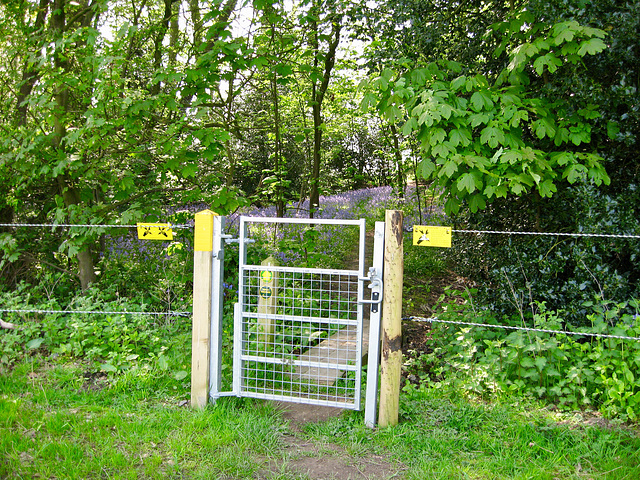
(305, 345)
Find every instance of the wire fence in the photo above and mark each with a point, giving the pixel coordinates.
(95, 312)
(509, 327)
(479, 232)
(550, 234)
(80, 225)
(89, 312)
(422, 319)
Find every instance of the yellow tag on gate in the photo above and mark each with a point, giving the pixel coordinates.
(155, 231)
(427, 236)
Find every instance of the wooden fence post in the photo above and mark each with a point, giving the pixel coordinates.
(391, 358)
(200, 342)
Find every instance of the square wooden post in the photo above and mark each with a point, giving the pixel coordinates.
(200, 343)
(267, 302)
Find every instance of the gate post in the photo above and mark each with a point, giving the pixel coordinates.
(391, 361)
(371, 403)
(200, 342)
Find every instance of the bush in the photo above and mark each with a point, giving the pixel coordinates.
(573, 371)
(515, 272)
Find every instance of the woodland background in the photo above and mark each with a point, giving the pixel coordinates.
(518, 115)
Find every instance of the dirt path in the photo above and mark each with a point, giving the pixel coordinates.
(327, 461)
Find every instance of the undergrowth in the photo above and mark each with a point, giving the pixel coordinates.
(574, 370)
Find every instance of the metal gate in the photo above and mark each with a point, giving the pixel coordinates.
(299, 331)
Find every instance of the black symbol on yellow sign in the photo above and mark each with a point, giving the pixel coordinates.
(423, 236)
(155, 231)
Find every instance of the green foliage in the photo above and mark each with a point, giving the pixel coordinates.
(571, 371)
(513, 272)
(485, 138)
(107, 342)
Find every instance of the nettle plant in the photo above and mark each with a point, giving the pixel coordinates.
(488, 136)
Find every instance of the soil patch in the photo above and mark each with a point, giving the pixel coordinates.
(298, 414)
(325, 461)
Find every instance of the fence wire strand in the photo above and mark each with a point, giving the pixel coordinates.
(187, 226)
(550, 234)
(95, 312)
(71, 225)
(508, 327)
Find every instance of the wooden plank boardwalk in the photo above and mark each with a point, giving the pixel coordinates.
(340, 348)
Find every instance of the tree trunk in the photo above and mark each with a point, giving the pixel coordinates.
(317, 96)
(277, 151)
(400, 180)
(69, 194)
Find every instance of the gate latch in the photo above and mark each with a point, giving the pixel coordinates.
(377, 288)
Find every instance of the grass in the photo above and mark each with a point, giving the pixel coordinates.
(55, 422)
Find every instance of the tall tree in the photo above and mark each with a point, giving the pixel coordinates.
(324, 21)
(107, 123)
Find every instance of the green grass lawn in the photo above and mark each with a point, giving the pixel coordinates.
(59, 421)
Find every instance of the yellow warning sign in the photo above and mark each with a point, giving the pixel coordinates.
(155, 231)
(428, 236)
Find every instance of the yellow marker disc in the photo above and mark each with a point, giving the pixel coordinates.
(266, 276)
(428, 236)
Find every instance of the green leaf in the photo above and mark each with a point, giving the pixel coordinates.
(527, 362)
(452, 206)
(575, 172)
(612, 130)
(426, 118)
(449, 168)
(478, 119)
(284, 70)
(438, 135)
(544, 128)
(511, 156)
(180, 375)
(35, 343)
(481, 100)
(460, 136)
(591, 47)
(477, 202)
(441, 150)
(549, 60)
(410, 126)
(466, 182)
(562, 158)
(547, 188)
(492, 136)
(368, 100)
(107, 367)
(499, 191)
(163, 363)
(565, 31)
(540, 363)
(427, 168)
(458, 83)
